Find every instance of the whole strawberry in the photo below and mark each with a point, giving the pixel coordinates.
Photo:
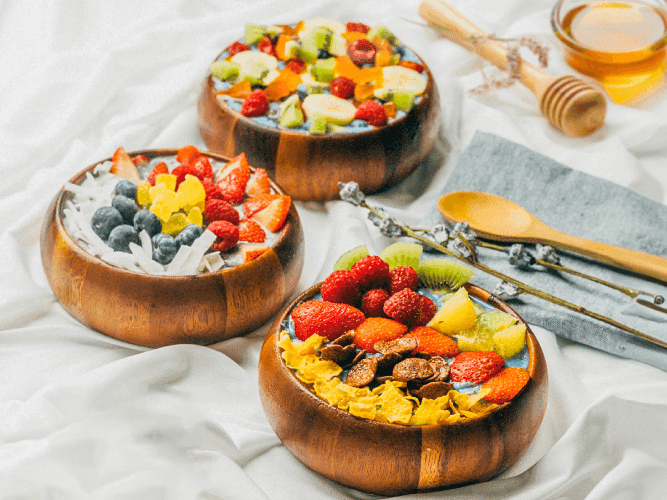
(341, 287)
(373, 112)
(256, 104)
(227, 233)
(374, 330)
(404, 307)
(476, 366)
(506, 384)
(327, 319)
(434, 343)
(372, 302)
(220, 210)
(428, 309)
(371, 272)
(402, 277)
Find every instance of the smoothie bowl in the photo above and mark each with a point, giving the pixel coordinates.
(170, 246)
(412, 388)
(319, 102)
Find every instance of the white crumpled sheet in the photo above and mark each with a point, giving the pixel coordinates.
(84, 416)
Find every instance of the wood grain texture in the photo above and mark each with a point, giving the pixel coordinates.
(388, 459)
(155, 311)
(309, 167)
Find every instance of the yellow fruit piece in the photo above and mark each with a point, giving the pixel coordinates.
(472, 340)
(164, 205)
(143, 197)
(194, 217)
(190, 193)
(174, 224)
(455, 315)
(168, 180)
(496, 320)
(510, 341)
(157, 190)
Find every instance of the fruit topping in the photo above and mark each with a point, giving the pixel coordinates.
(476, 367)
(256, 104)
(227, 235)
(145, 220)
(371, 272)
(257, 203)
(233, 179)
(160, 168)
(273, 216)
(266, 46)
(126, 206)
(349, 258)
(402, 277)
(405, 307)
(342, 287)
(342, 87)
(123, 166)
(164, 248)
(104, 220)
(433, 343)
(443, 275)
(237, 47)
(374, 330)
(372, 302)
(506, 384)
(121, 236)
(220, 210)
(333, 109)
(187, 155)
(327, 319)
(251, 232)
(360, 27)
(188, 235)
(373, 112)
(126, 188)
(361, 52)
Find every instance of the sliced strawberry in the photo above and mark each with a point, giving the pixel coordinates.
(374, 330)
(257, 203)
(140, 160)
(265, 45)
(181, 171)
(273, 216)
(187, 154)
(476, 366)
(434, 343)
(160, 168)
(202, 168)
(251, 232)
(233, 179)
(252, 253)
(258, 183)
(506, 384)
(123, 166)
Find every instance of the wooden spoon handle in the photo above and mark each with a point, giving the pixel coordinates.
(642, 263)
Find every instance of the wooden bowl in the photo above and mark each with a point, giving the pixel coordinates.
(390, 459)
(156, 311)
(309, 167)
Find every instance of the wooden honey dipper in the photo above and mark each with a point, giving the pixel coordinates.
(569, 103)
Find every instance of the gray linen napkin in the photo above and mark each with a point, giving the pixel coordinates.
(578, 204)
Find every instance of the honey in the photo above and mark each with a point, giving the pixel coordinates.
(622, 44)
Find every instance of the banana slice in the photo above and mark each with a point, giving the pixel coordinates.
(333, 109)
(402, 78)
(334, 26)
(307, 79)
(255, 56)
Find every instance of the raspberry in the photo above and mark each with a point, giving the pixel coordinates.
(361, 52)
(373, 112)
(256, 104)
(227, 233)
(371, 272)
(251, 231)
(237, 47)
(342, 87)
(404, 307)
(296, 66)
(265, 45)
(428, 309)
(402, 277)
(212, 190)
(220, 210)
(358, 27)
(372, 302)
(341, 287)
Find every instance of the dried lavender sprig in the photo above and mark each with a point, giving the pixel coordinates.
(522, 286)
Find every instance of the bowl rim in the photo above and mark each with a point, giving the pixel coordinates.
(430, 85)
(82, 253)
(475, 291)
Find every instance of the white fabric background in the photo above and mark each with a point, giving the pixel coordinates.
(84, 416)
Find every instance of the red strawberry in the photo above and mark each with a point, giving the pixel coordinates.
(160, 168)
(265, 45)
(428, 309)
(257, 203)
(187, 154)
(404, 307)
(341, 287)
(402, 277)
(212, 190)
(237, 47)
(202, 168)
(327, 319)
(506, 384)
(373, 301)
(373, 112)
(372, 272)
(227, 233)
(358, 27)
(220, 210)
(433, 342)
(251, 232)
(475, 366)
(123, 166)
(342, 87)
(253, 253)
(296, 65)
(181, 171)
(233, 178)
(258, 183)
(361, 51)
(374, 330)
(256, 104)
(273, 216)
(140, 160)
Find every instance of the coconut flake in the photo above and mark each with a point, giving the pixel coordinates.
(146, 243)
(145, 262)
(199, 247)
(122, 259)
(179, 260)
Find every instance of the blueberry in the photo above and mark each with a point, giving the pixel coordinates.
(188, 235)
(164, 248)
(104, 220)
(145, 219)
(323, 54)
(126, 207)
(400, 50)
(126, 188)
(121, 237)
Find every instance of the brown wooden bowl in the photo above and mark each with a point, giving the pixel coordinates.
(309, 167)
(156, 311)
(391, 459)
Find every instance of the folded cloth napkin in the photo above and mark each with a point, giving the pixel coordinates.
(578, 204)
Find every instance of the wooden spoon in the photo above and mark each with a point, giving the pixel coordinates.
(496, 218)
(572, 105)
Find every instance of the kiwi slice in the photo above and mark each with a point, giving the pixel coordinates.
(443, 275)
(350, 258)
(402, 253)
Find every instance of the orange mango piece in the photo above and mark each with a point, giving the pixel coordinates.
(364, 91)
(389, 109)
(284, 85)
(367, 75)
(345, 67)
(352, 36)
(280, 47)
(382, 58)
(382, 44)
(240, 90)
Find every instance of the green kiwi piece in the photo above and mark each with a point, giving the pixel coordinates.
(402, 253)
(443, 275)
(350, 258)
